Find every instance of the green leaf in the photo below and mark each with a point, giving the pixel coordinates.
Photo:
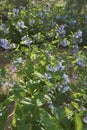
(14, 122)
(24, 127)
(42, 62)
(2, 72)
(22, 42)
(3, 119)
(41, 76)
(56, 41)
(39, 103)
(59, 113)
(68, 112)
(85, 47)
(77, 95)
(78, 122)
(75, 105)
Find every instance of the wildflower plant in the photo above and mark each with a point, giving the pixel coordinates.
(50, 91)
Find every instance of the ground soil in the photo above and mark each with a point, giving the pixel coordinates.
(5, 59)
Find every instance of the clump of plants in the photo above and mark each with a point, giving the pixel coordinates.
(50, 92)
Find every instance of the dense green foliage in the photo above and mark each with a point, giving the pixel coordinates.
(51, 90)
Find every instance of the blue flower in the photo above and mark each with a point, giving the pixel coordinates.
(53, 23)
(75, 48)
(74, 77)
(78, 34)
(48, 76)
(21, 24)
(78, 37)
(15, 11)
(4, 43)
(80, 40)
(12, 45)
(51, 106)
(3, 26)
(57, 16)
(28, 42)
(61, 30)
(72, 22)
(80, 61)
(66, 78)
(64, 43)
(85, 119)
(60, 66)
(65, 88)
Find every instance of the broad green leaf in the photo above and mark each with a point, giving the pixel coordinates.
(59, 113)
(39, 103)
(69, 113)
(85, 47)
(77, 95)
(3, 119)
(78, 122)
(75, 105)
(14, 121)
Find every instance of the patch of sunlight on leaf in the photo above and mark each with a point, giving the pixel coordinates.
(76, 95)
(69, 113)
(80, 52)
(85, 47)
(75, 105)
(78, 122)
(76, 67)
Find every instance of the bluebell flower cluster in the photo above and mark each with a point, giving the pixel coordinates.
(18, 60)
(64, 43)
(72, 22)
(65, 78)
(78, 37)
(58, 16)
(76, 48)
(85, 119)
(61, 31)
(80, 61)
(63, 88)
(4, 28)
(78, 34)
(4, 43)
(48, 76)
(53, 23)
(59, 67)
(15, 11)
(21, 24)
(12, 46)
(26, 40)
